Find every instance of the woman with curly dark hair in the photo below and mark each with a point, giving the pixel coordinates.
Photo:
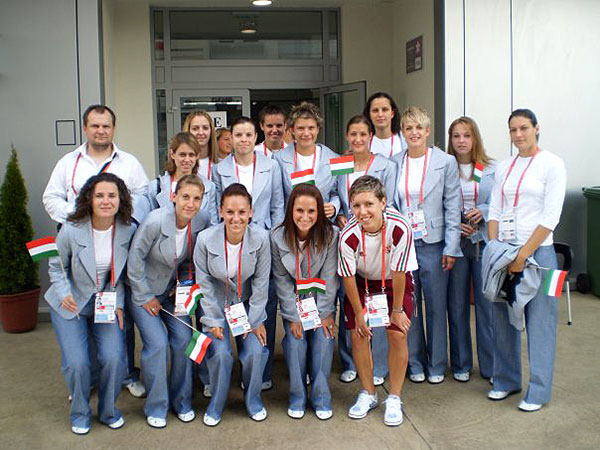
(86, 296)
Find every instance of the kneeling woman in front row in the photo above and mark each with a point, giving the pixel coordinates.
(376, 256)
(233, 263)
(161, 271)
(304, 255)
(86, 296)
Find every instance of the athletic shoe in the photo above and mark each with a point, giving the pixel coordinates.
(417, 377)
(364, 403)
(156, 422)
(136, 389)
(348, 376)
(529, 407)
(187, 417)
(393, 411)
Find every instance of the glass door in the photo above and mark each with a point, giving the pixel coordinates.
(338, 104)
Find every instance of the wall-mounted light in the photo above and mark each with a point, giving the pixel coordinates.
(248, 28)
(261, 2)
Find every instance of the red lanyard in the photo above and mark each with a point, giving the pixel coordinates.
(422, 180)
(265, 147)
(516, 202)
(103, 169)
(364, 255)
(371, 158)
(209, 168)
(171, 195)
(391, 145)
(112, 259)
(298, 271)
(237, 170)
(189, 235)
(296, 159)
(239, 272)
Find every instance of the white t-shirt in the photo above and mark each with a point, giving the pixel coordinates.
(264, 150)
(541, 194)
(181, 240)
(306, 162)
(400, 250)
(102, 252)
(415, 177)
(467, 186)
(386, 146)
(246, 174)
(203, 166)
(352, 177)
(233, 254)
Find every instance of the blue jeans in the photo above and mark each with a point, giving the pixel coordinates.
(541, 317)
(253, 357)
(379, 344)
(296, 355)
(202, 368)
(271, 327)
(466, 270)
(429, 355)
(158, 335)
(132, 373)
(76, 366)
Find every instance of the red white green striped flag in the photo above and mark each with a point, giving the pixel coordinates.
(478, 172)
(193, 299)
(42, 248)
(553, 282)
(311, 285)
(365, 313)
(303, 176)
(196, 349)
(342, 165)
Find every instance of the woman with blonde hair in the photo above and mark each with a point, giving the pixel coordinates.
(476, 182)
(202, 126)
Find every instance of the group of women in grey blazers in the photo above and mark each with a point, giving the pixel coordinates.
(245, 232)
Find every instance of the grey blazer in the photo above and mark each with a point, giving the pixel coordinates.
(382, 168)
(211, 274)
(159, 190)
(483, 202)
(323, 178)
(322, 265)
(441, 200)
(76, 249)
(267, 194)
(151, 261)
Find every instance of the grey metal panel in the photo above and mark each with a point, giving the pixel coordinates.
(243, 74)
(159, 75)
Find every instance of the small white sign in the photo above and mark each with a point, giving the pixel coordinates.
(220, 118)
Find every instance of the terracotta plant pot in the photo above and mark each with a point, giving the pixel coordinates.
(18, 312)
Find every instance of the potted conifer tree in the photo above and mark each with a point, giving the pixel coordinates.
(19, 285)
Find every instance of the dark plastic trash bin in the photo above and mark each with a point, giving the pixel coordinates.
(593, 237)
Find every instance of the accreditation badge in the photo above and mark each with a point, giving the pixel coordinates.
(377, 309)
(308, 312)
(105, 307)
(237, 318)
(181, 295)
(417, 223)
(508, 226)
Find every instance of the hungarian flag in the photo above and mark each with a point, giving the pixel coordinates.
(42, 248)
(311, 285)
(193, 299)
(553, 282)
(303, 176)
(342, 165)
(478, 171)
(196, 349)
(365, 313)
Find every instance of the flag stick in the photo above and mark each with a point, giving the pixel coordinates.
(177, 318)
(62, 267)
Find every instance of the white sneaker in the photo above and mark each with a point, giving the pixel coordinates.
(435, 379)
(378, 381)
(417, 377)
(206, 391)
(117, 424)
(70, 398)
(348, 376)
(393, 411)
(364, 403)
(295, 414)
(136, 389)
(492, 381)
(266, 385)
(463, 377)
(500, 395)
(259, 416)
(156, 422)
(210, 422)
(187, 417)
(307, 379)
(529, 407)
(324, 414)
(80, 430)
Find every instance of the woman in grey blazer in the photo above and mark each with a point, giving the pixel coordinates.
(476, 182)
(428, 193)
(304, 247)
(233, 262)
(359, 134)
(92, 248)
(182, 160)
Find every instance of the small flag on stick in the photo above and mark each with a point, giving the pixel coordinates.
(342, 165)
(42, 248)
(193, 299)
(554, 281)
(311, 285)
(303, 176)
(196, 349)
(478, 171)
